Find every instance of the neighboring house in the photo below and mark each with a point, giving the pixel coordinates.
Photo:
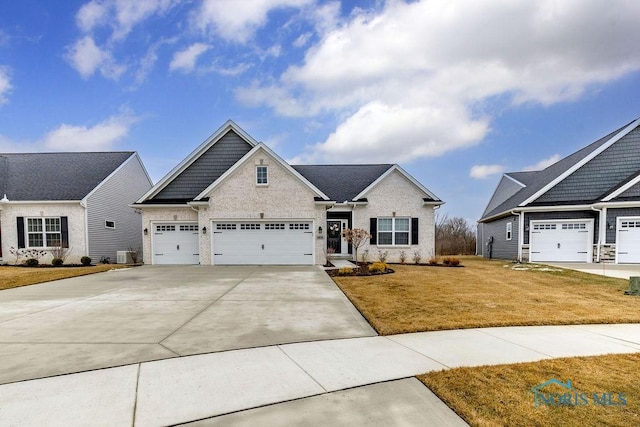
(584, 208)
(234, 201)
(75, 200)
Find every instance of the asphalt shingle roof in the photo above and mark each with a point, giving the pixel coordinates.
(341, 182)
(535, 181)
(55, 176)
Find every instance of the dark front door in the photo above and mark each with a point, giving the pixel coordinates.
(334, 236)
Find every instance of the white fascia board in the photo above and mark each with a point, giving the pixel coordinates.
(43, 202)
(195, 154)
(387, 173)
(243, 160)
(627, 204)
(518, 210)
(582, 162)
(622, 189)
(159, 206)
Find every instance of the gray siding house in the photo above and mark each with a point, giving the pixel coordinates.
(79, 201)
(583, 208)
(234, 201)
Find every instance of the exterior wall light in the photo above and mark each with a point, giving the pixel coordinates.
(146, 231)
(204, 230)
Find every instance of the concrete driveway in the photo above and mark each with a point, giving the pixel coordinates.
(152, 312)
(621, 271)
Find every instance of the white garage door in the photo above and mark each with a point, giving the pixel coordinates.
(277, 242)
(175, 244)
(628, 241)
(561, 241)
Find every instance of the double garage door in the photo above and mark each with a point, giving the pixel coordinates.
(561, 241)
(237, 242)
(274, 242)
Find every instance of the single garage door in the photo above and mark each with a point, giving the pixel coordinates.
(561, 241)
(175, 244)
(252, 242)
(628, 241)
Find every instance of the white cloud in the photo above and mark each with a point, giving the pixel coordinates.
(543, 164)
(302, 40)
(485, 171)
(86, 57)
(185, 60)
(91, 15)
(413, 62)
(236, 20)
(5, 84)
(100, 137)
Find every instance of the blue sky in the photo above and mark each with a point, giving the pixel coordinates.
(457, 92)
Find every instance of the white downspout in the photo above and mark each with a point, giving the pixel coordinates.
(520, 216)
(601, 228)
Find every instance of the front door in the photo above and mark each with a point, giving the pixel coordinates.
(334, 236)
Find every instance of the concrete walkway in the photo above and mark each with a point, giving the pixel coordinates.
(354, 381)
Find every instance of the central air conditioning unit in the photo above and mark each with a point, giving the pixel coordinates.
(124, 257)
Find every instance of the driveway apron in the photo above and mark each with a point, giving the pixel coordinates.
(150, 313)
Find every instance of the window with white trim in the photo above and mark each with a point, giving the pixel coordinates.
(44, 232)
(262, 175)
(393, 231)
(109, 224)
(509, 230)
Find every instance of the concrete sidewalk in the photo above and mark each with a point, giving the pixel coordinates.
(355, 381)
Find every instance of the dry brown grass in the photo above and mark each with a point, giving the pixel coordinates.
(502, 396)
(13, 277)
(484, 293)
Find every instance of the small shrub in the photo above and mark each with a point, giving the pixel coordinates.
(382, 256)
(31, 262)
(416, 257)
(85, 260)
(345, 271)
(57, 262)
(403, 257)
(378, 267)
(433, 261)
(451, 261)
(59, 252)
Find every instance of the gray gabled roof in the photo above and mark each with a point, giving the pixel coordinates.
(536, 181)
(55, 176)
(342, 182)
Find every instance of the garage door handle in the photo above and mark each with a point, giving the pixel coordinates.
(558, 245)
(263, 247)
(178, 247)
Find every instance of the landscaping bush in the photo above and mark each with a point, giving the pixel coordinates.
(382, 256)
(451, 261)
(57, 262)
(416, 257)
(403, 257)
(345, 271)
(31, 262)
(378, 267)
(433, 261)
(85, 260)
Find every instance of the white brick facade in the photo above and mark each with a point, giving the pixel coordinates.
(75, 214)
(285, 197)
(396, 195)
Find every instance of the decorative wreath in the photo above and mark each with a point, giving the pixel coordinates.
(334, 227)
